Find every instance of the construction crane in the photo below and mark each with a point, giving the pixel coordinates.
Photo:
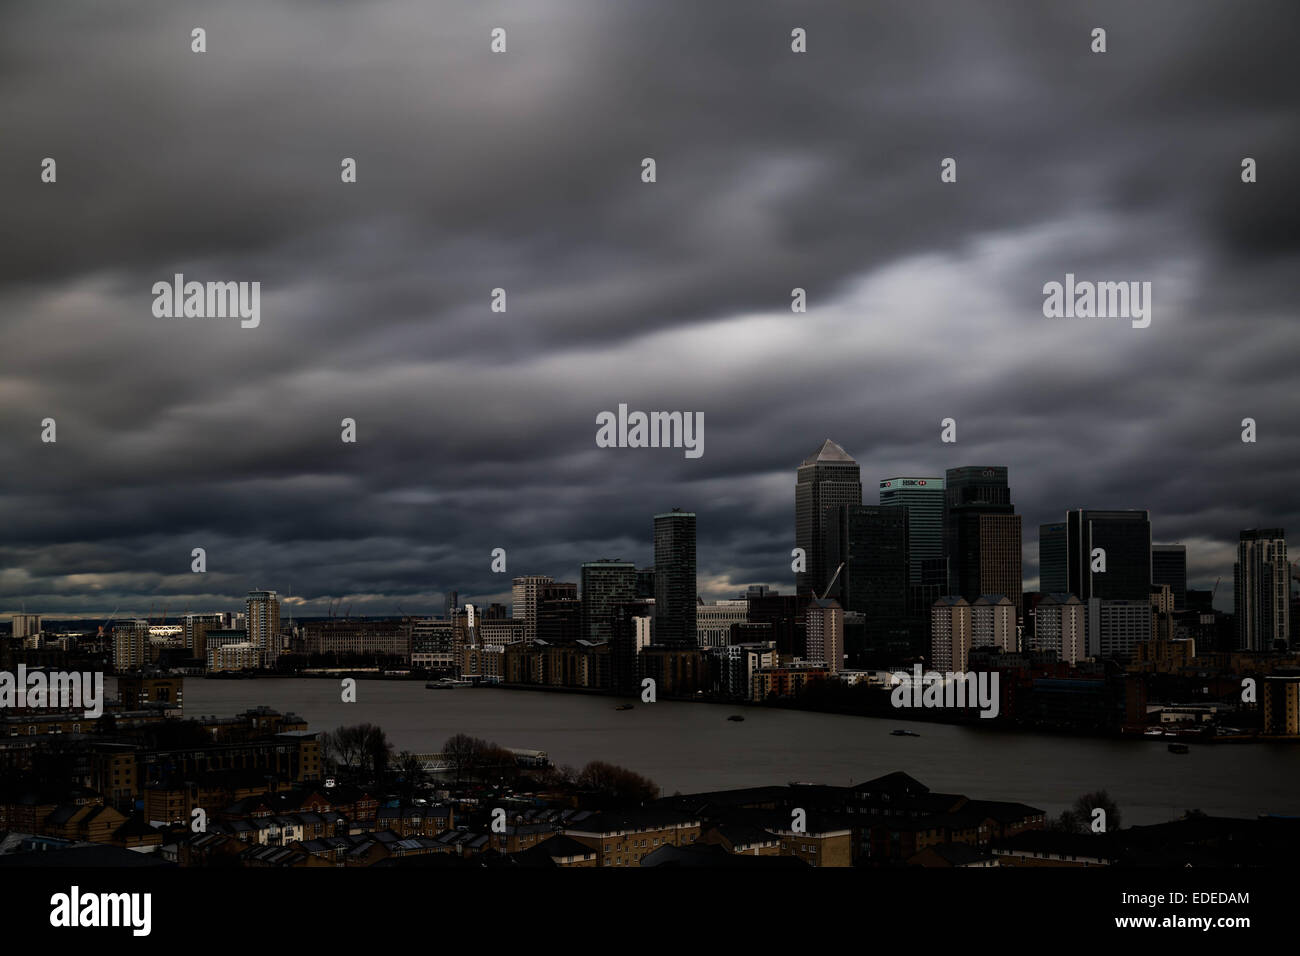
(109, 618)
(833, 579)
(1215, 591)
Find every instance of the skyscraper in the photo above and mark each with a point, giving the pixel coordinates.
(674, 533)
(526, 596)
(263, 624)
(605, 583)
(1261, 588)
(950, 634)
(824, 480)
(982, 534)
(924, 500)
(25, 625)
(1169, 566)
(824, 621)
(872, 542)
(629, 634)
(1052, 563)
(1125, 537)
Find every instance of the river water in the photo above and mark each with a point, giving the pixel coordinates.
(692, 747)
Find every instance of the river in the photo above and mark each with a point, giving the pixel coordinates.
(692, 747)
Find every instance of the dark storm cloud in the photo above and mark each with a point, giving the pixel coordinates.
(521, 171)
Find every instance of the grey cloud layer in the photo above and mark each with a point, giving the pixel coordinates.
(522, 171)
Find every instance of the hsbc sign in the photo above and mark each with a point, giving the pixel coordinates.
(907, 483)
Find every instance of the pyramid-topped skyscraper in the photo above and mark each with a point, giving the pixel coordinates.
(824, 481)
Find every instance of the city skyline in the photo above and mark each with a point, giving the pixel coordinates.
(509, 592)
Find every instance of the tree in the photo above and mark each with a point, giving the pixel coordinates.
(616, 783)
(411, 775)
(1078, 819)
(463, 753)
(361, 749)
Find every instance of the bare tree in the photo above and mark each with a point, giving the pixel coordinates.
(413, 777)
(362, 750)
(463, 753)
(616, 783)
(1078, 819)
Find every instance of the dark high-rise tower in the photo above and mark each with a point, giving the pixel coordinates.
(1169, 566)
(1052, 547)
(1260, 579)
(1125, 536)
(982, 534)
(924, 500)
(675, 578)
(825, 480)
(872, 542)
(605, 583)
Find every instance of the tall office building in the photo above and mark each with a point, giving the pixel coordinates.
(629, 634)
(1169, 566)
(605, 583)
(1261, 588)
(993, 623)
(1117, 626)
(950, 634)
(450, 604)
(262, 624)
(196, 631)
(525, 597)
(713, 622)
(130, 644)
(559, 619)
(872, 542)
(675, 596)
(1052, 563)
(924, 500)
(25, 625)
(1061, 625)
(1125, 537)
(824, 623)
(824, 480)
(982, 534)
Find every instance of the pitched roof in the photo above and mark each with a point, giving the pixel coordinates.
(561, 846)
(829, 452)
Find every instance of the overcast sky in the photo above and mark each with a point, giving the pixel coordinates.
(522, 171)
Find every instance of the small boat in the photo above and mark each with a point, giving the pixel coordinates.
(1178, 749)
(447, 684)
(623, 707)
(903, 733)
(735, 717)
